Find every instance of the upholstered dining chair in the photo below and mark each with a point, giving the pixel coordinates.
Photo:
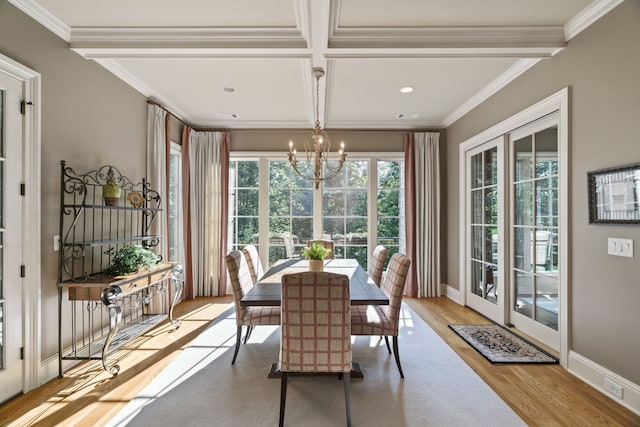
(325, 243)
(316, 329)
(250, 253)
(384, 320)
(246, 316)
(376, 265)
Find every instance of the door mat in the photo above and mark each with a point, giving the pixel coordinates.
(499, 345)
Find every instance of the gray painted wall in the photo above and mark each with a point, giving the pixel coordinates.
(600, 66)
(89, 118)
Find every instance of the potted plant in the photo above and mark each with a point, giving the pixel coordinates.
(130, 259)
(316, 253)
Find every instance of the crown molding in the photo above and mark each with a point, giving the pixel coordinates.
(44, 18)
(442, 52)
(588, 16)
(221, 53)
(385, 124)
(489, 90)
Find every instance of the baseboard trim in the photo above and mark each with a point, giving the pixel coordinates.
(594, 375)
(452, 293)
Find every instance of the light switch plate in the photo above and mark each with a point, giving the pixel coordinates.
(620, 247)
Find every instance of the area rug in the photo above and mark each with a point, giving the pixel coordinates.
(499, 345)
(201, 387)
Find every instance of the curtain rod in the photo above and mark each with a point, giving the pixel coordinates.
(151, 101)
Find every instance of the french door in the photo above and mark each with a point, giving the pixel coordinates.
(535, 230)
(513, 229)
(485, 229)
(11, 324)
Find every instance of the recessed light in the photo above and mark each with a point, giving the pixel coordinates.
(406, 89)
(228, 89)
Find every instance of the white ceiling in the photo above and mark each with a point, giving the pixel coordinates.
(455, 53)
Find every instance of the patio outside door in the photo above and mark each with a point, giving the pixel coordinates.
(11, 325)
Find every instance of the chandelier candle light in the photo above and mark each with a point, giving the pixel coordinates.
(317, 165)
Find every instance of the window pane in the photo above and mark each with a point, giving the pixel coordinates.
(357, 202)
(358, 174)
(333, 202)
(247, 231)
(279, 202)
(302, 202)
(248, 174)
(388, 230)
(279, 175)
(334, 227)
(389, 202)
(248, 202)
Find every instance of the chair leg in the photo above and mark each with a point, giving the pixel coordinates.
(283, 396)
(248, 334)
(386, 340)
(347, 395)
(235, 353)
(397, 355)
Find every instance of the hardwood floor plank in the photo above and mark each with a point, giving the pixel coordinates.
(542, 395)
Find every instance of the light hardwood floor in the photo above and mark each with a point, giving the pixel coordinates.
(542, 395)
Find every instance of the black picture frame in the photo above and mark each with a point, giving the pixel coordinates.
(614, 195)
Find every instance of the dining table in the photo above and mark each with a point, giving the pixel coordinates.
(268, 292)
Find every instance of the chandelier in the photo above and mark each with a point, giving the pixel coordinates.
(317, 166)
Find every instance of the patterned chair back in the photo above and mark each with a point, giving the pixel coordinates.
(393, 287)
(253, 262)
(377, 264)
(328, 244)
(316, 323)
(240, 280)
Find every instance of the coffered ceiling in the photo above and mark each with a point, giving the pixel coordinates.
(247, 63)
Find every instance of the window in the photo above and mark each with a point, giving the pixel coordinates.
(176, 240)
(243, 203)
(344, 211)
(359, 208)
(390, 206)
(290, 211)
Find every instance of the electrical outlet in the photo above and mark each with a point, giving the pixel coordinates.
(613, 388)
(56, 243)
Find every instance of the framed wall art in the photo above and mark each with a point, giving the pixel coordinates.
(614, 195)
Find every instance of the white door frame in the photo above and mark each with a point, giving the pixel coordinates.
(31, 249)
(558, 101)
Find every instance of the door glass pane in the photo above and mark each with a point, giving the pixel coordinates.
(523, 204)
(523, 158)
(491, 166)
(476, 206)
(476, 171)
(476, 278)
(491, 206)
(524, 293)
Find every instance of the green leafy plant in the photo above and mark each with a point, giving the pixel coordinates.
(129, 259)
(315, 251)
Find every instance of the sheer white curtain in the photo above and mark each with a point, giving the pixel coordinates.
(207, 169)
(426, 173)
(157, 172)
